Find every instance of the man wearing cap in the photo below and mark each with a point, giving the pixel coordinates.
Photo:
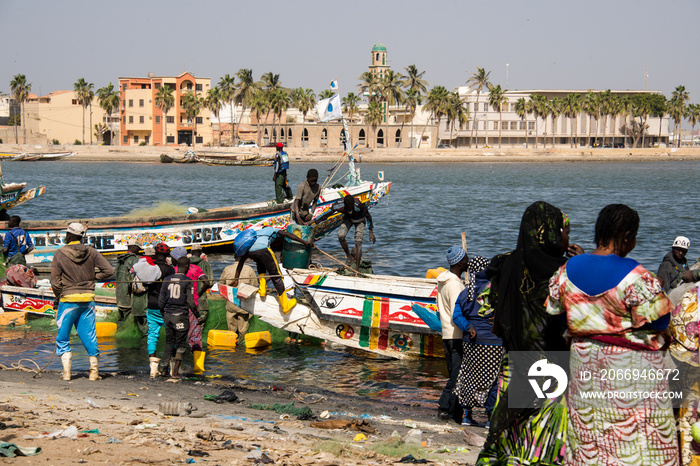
(449, 286)
(73, 282)
(281, 165)
(128, 301)
(155, 319)
(305, 201)
(201, 284)
(674, 267)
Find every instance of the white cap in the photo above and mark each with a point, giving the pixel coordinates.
(681, 242)
(76, 228)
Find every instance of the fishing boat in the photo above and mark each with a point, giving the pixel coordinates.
(254, 160)
(188, 157)
(40, 300)
(389, 316)
(46, 156)
(13, 194)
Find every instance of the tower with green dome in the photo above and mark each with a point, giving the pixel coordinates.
(378, 63)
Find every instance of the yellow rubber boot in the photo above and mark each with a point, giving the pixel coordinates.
(199, 362)
(287, 303)
(94, 366)
(65, 360)
(153, 363)
(262, 290)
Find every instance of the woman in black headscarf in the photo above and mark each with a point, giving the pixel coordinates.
(519, 288)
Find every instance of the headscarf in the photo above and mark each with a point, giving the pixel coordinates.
(476, 265)
(520, 282)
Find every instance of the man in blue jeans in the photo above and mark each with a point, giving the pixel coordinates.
(73, 282)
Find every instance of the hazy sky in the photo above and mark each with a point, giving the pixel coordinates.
(562, 44)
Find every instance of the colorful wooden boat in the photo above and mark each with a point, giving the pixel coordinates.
(40, 300)
(212, 228)
(255, 160)
(373, 313)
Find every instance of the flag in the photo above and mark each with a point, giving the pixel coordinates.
(329, 109)
(334, 85)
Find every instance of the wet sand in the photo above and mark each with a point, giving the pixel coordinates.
(133, 431)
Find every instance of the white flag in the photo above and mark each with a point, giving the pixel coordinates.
(334, 85)
(329, 109)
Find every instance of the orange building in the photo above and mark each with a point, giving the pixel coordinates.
(143, 121)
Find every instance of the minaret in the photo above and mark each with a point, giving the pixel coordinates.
(378, 66)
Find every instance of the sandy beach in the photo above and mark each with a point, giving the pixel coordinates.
(151, 154)
(119, 420)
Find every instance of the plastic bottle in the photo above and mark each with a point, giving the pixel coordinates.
(175, 408)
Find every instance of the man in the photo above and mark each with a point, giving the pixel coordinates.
(176, 302)
(450, 285)
(304, 205)
(154, 317)
(266, 262)
(129, 301)
(17, 243)
(281, 165)
(200, 284)
(355, 213)
(199, 259)
(237, 319)
(73, 282)
(674, 266)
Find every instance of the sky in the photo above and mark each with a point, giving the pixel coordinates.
(525, 45)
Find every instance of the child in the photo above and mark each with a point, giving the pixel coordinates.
(176, 300)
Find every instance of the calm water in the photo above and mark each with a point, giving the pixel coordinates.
(427, 210)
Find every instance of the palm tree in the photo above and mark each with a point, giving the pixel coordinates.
(227, 91)
(279, 102)
(374, 117)
(325, 94)
(192, 104)
(369, 85)
(625, 111)
(391, 88)
(412, 101)
(84, 93)
(214, 103)
(165, 100)
(571, 109)
(642, 109)
(247, 86)
(523, 108)
(693, 117)
(677, 110)
(456, 112)
(436, 104)
(260, 106)
(306, 100)
(413, 80)
(497, 99)
(589, 105)
(605, 103)
(478, 81)
(109, 100)
(539, 108)
(350, 104)
(20, 92)
(555, 107)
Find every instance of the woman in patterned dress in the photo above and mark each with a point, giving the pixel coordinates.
(616, 313)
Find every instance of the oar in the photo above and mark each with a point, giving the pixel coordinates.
(336, 260)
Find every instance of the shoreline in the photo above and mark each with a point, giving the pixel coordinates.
(151, 154)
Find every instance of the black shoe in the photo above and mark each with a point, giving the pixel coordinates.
(444, 415)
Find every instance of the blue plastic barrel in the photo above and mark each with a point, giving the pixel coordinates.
(294, 254)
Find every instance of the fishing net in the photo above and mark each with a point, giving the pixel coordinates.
(284, 409)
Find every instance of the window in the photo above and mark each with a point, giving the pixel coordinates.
(157, 119)
(504, 125)
(324, 137)
(170, 119)
(74, 101)
(513, 125)
(136, 138)
(126, 137)
(199, 139)
(124, 119)
(157, 85)
(199, 120)
(170, 139)
(198, 87)
(123, 89)
(522, 126)
(486, 107)
(123, 104)
(141, 119)
(495, 125)
(361, 138)
(131, 118)
(146, 138)
(530, 125)
(131, 102)
(140, 102)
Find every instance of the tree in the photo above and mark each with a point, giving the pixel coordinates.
(279, 102)
(260, 106)
(270, 83)
(693, 117)
(412, 101)
(497, 99)
(374, 117)
(109, 100)
(214, 103)
(20, 93)
(539, 108)
(555, 110)
(247, 86)
(369, 85)
(350, 104)
(456, 112)
(677, 110)
(477, 82)
(415, 86)
(523, 108)
(571, 109)
(641, 109)
(325, 94)
(165, 100)
(391, 88)
(589, 105)
(227, 91)
(84, 93)
(192, 104)
(436, 104)
(306, 100)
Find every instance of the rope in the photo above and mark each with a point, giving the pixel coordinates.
(340, 262)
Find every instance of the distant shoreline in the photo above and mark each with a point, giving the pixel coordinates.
(150, 154)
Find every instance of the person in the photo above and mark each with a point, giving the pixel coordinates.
(237, 319)
(201, 284)
(176, 302)
(199, 259)
(73, 278)
(674, 267)
(519, 288)
(281, 165)
(161, 252)
(129, 302)
(17, 242)
(616, 313)
(449, 286)
(355, 213)
(482, 350)
(266, 262)
(304, 205)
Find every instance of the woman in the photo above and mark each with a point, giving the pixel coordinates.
(616, 314)
(519, 283)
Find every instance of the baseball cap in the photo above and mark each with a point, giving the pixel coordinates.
(681, 242)
(197, 247)
(279, 145)
(76, 229)
(149, 251)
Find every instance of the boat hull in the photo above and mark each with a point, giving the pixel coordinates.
(214, 228)
(40, 300)
(372, 314)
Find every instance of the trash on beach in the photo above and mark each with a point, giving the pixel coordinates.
(414, 436)
(359, 438)
(412, 459)
(91, 403)
(113, 440)
(146, 426)
(259, 457)
(200, 453)
(69, 432)
(211, 436)
(227, 396)
(304, 413)
(324, 415)
(362, 426)
(91, 431)
(172, 408)
(10, 450)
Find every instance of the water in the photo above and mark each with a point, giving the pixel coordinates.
(427, 210)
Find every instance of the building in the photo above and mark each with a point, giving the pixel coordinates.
(487, 126)
(144, 122)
